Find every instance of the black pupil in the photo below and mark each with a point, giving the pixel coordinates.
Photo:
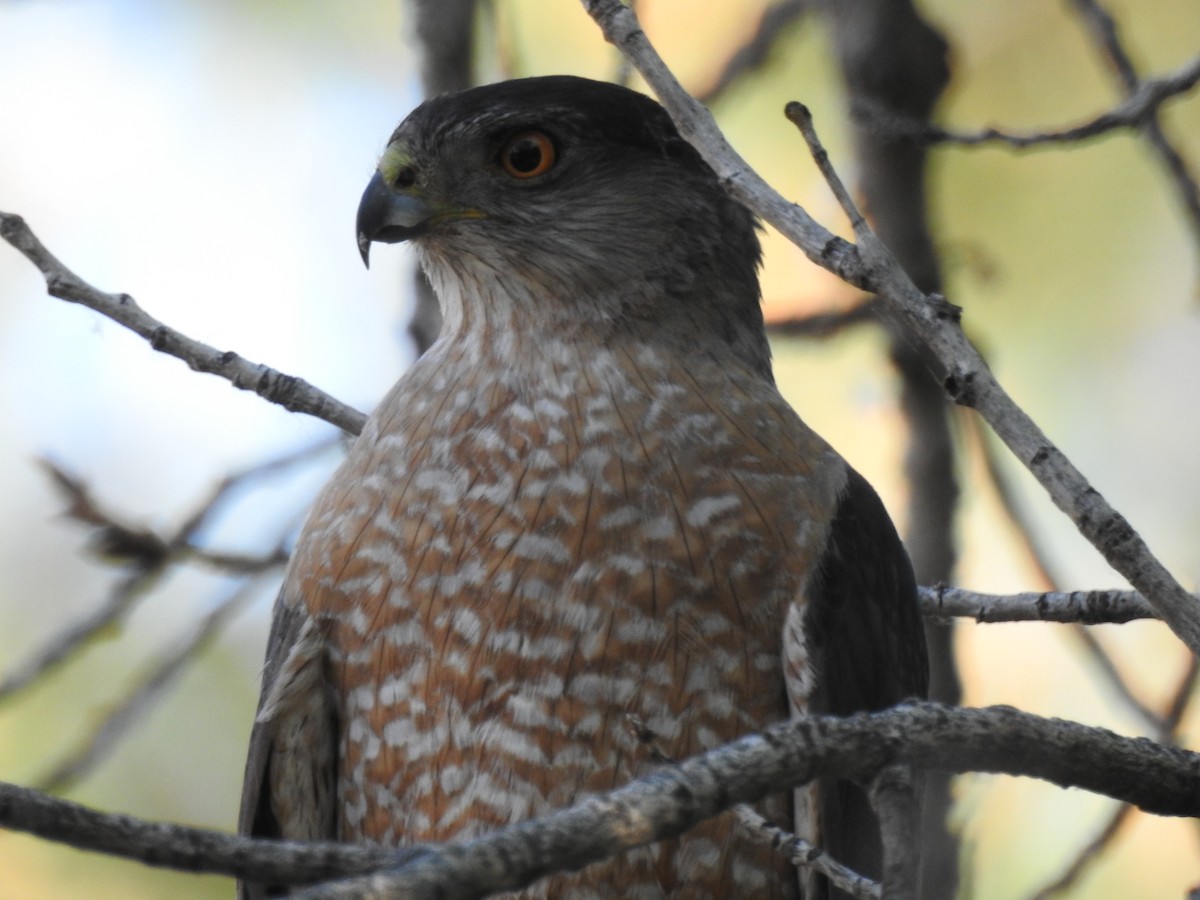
(525, 155)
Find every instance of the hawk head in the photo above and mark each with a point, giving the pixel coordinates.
(561, 201)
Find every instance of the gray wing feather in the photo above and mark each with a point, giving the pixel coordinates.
(289, 789)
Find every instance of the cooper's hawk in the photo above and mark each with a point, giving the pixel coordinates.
(585, 516)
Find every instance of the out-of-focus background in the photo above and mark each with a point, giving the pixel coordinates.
(208, 159)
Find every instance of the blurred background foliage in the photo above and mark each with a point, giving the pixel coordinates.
(207, 158)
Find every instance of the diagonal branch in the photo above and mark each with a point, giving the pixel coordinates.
(1103, 662)
(1099, 657)
(292, 393)
(121, 598)
(969, 382)
(756, 51)
(802, 853)
(141, 699)
(147, 555)
(1095, 847)
(1168, 732)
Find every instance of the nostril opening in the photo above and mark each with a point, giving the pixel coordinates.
(406, 177)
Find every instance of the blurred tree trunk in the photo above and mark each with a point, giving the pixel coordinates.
(445, 33)
(894, 62)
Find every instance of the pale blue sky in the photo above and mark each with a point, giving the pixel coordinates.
(207, 159)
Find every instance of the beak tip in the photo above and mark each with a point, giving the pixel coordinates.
(364, 249)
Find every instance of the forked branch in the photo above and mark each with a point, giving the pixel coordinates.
(869, 265)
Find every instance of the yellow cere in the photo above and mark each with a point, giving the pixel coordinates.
(394, 158)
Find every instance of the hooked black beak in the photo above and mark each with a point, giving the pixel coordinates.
(389, 215)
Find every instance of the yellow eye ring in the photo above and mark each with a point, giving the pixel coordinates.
(528, 154)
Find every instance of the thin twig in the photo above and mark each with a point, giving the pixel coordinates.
(1088, 854)
(802, 854)
(1108, 667)
(1173, 715)
(236, 563)
(121, 598)
(826, 324)
(1104, 31)
(1168, 733)
(257, 471)
(1100, 657)
(800, 116)
(756, 51)
(986, 448)
(1101, 607)
(1133, 112)
(150, 555)
(288, 391)
(795, 849)
(141, 698)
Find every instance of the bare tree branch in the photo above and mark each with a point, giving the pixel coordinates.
(1168, 732)
(985, 445)
(868, 265)
(121, 598)
(149, 554)
(292, 393)
(894, 798)
(826, 324)
(1158, 779)
(1089, 853)
(1111, 672)
(137, 702)
(673, 799)
(182, 848)
(1143, 103)
(1100, 657)
(1104, 30)
(801, 853)
(116, 539)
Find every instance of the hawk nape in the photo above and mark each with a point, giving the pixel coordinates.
(586, 506)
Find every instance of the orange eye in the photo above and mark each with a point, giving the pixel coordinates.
(528, 154)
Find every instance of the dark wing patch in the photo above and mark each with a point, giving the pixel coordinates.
(866, 646)
(289, 790)
(863, 620)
